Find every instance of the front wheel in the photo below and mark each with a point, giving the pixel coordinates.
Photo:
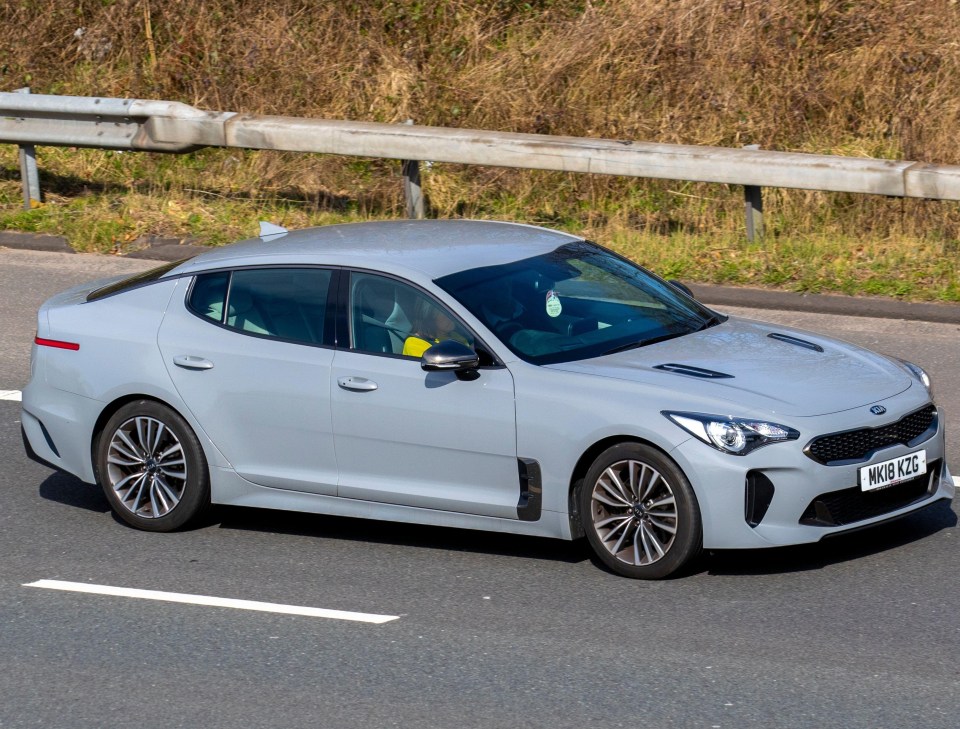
(152, 468)
(640, 513)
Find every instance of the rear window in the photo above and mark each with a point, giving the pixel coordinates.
(132, 282)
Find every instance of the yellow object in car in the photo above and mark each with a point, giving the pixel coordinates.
(416, 346)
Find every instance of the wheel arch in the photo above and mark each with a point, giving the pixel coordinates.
(215, 459)
(191, 501)
(583, 465)
(687, 515)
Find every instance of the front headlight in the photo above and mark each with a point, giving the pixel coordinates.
(918, 373)
(737, 436)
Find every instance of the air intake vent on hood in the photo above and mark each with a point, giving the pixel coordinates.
(795, 340)
(682, 369)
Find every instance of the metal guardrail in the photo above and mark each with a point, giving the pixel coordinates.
(173, 127)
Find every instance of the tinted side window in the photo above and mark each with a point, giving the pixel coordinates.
(208, 295)
(390, 317)
(286, 303)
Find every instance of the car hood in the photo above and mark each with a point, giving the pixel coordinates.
(792, 372)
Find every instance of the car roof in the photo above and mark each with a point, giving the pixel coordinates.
(433, 248)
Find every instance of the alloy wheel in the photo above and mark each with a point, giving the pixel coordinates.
(634, 512)
(146, 467)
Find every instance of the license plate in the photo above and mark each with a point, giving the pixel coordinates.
(894, 471)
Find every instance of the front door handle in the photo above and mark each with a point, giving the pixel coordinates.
(361, 384)
(192, 362)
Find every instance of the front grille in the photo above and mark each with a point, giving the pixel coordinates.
(849, 506)
(859, 445)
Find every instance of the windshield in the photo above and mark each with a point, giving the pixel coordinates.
(578, 301)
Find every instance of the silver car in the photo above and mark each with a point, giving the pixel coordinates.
(473, 374)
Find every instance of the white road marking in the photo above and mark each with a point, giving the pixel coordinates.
(266, 607)
(10, 395)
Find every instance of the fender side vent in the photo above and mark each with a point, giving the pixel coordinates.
(682, 369)
(795, 340)
(531, 490)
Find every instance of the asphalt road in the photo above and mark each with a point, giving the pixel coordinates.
(493, 630)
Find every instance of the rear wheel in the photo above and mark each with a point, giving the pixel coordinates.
(640, 513)
(151, 467)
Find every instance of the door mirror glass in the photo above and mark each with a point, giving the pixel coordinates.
(449, 355)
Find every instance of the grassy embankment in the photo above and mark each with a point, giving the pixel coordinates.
(876, 78)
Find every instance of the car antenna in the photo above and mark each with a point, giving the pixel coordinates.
(269, 230)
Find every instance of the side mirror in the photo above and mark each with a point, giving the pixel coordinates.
(681, 287)
(450, 356)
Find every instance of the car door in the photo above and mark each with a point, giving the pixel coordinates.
(250, 352)
(406, 436)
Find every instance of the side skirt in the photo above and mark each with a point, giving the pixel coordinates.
(229, 489)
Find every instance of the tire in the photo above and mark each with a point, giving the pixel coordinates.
(151, 467)
(639, 512)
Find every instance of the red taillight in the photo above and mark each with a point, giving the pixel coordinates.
(56, 343)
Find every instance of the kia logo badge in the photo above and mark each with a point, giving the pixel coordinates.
(878, 410)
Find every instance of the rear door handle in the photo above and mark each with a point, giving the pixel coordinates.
(192, 362)
(361, 384)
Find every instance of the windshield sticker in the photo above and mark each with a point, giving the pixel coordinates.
(554, 307)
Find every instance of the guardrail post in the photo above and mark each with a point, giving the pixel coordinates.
(412, 192)
(753, 198)
(29, 175)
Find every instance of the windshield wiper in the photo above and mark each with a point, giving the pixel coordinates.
(625, 347)
(643, 343)
(711, 321)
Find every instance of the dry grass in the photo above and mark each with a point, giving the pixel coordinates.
(854, 77)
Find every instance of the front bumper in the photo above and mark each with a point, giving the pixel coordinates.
(809, 501)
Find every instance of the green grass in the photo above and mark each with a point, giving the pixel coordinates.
(106, 202)
(872, 78)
